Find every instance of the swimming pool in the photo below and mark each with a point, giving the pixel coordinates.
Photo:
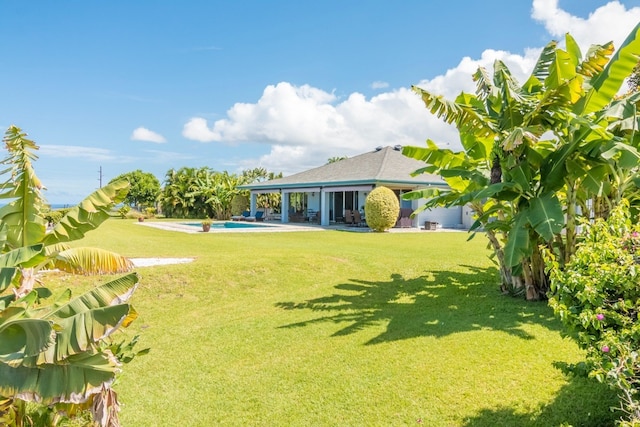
(228, 224)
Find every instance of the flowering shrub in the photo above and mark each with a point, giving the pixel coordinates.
(597, 298)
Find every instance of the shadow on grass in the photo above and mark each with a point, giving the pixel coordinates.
(583, 402)
(436, 304)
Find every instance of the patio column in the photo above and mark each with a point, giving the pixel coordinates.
(284, 210)
(253, 201)
(324, 207)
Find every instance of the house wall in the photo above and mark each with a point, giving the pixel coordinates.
(467, 217)
(445, 217)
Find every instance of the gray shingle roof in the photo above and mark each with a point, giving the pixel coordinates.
(386, 166)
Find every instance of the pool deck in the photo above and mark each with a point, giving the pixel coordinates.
(271, 227)
(263, 227)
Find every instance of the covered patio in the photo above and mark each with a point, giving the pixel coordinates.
(323, 194)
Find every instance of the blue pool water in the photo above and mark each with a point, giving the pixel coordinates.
(228, 224)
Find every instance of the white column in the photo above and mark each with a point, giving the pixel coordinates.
(284, 208)
(253, 200)
(324, 206)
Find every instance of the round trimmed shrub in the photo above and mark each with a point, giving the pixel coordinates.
(381, 208)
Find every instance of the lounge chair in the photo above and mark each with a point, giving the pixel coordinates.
(242, 217)
(258, 217)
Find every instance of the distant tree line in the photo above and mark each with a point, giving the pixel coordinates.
(198, 192)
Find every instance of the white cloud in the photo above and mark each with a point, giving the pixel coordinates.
(304, 126)
(379, 85)
(87, 153)
(611, 22)
(144, 134)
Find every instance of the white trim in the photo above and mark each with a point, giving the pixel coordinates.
(301, 190)
(348, 188)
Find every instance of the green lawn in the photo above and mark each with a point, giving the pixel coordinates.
(339, 329)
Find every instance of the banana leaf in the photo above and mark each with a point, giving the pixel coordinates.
(89, 214)
(73, 382)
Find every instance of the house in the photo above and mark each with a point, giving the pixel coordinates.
(325, 192)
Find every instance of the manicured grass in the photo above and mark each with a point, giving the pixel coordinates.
(336, 328)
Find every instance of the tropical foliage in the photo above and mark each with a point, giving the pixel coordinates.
(22, 218)
(144, 188)
(203, 192)
(596, 297)
(382, 208)
(336, 159)
(57, 351)
(538, 155)
(271, 201)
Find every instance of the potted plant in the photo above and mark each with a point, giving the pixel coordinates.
(206, 225)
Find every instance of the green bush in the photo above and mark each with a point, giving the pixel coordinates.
(597, 297)
(54, 217)
(381, 208)
(239, 204)
(123, 211)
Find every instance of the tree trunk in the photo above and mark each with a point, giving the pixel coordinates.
(496, 170)
(531, 293)
(505, 272)
(536, 280)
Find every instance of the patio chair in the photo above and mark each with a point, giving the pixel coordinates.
(404, 218)
(348, 217)
(357, 219)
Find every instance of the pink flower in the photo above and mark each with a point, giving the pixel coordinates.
(600, 316)
(605, 349)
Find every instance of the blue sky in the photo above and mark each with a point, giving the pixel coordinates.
(124, 85)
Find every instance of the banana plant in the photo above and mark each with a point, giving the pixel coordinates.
(534, 153)
(57, 352)
(60, 354)
(23, 223)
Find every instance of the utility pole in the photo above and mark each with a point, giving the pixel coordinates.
(100, 176)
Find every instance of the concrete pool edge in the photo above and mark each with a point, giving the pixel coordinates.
(264, 227)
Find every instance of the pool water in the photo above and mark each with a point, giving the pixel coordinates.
(228, 224)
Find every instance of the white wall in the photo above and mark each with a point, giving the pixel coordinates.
(445, 217)
(467, 217)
